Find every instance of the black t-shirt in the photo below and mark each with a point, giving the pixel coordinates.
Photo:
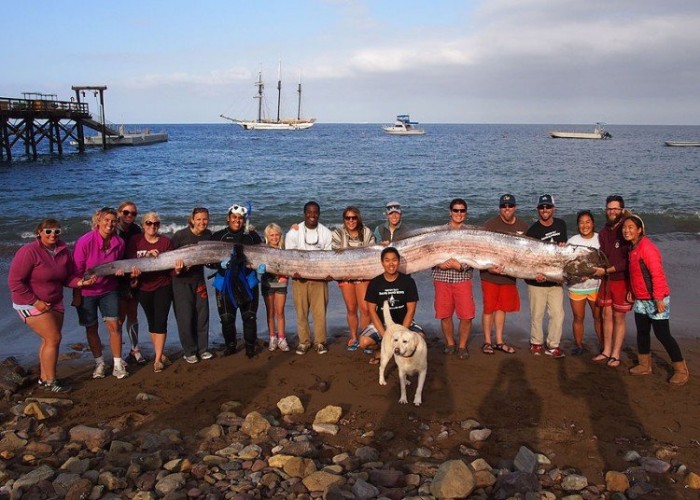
(556, 233)
(183, 237)
(251, 238)
(398, 292)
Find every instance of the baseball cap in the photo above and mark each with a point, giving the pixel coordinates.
(545, 199)
(393, 206)
(507, 199)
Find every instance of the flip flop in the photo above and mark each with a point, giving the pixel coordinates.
(601, 358)
(373, 361)
(613, 362)
(503, 348)
(487, 348)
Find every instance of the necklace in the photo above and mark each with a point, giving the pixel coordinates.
(310, 243)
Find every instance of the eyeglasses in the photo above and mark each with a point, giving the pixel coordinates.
(49, 231)
(393, 207)
(129, 213)
(350, 217)
(459, 210)
(507, 205)
(155, 223)
(545, 207)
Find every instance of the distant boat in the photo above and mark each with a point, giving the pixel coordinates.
(263, 123)
(683, 144)
(598, 133)
(403, 126)
(127, 138)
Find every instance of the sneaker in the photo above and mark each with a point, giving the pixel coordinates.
(119, 371)
(449, 349)
(321, 348)
(302, 348)
(273, 343)
(99, 371)
(54, 386)
(206, 355)
(555, 352)
(229, 349)
(250, 352)
(282, 344)
(536, 349)
(577, 351)
(191, 359)
(137, 357)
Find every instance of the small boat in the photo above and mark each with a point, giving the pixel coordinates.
(263, 123)
(127, 138)
(598, 133)
(683, 144)
(403, 126)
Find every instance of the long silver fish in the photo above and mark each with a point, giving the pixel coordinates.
(521, 257)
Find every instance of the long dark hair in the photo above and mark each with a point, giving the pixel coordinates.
(356, 211)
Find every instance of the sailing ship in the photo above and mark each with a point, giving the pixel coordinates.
(263, 123)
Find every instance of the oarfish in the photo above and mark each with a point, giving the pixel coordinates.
(520, 257)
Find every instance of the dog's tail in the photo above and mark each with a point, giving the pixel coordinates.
(388, 320)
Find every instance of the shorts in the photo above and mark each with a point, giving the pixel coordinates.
(451, 297)
(648, 308)
(108, 305)
(614, 293)
(575, 296)
(371, 332)
(29, 311)
(500, 297)
(266, 291)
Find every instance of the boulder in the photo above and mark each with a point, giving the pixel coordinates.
(454, 479)
(291, 405)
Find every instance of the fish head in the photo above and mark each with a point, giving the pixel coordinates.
(583, 265)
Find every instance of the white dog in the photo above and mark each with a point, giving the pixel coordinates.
(410, 353)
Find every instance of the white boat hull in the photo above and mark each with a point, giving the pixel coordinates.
(403, 131)
(577, 135)
(127, 139)
(253, 125)
(683, 144)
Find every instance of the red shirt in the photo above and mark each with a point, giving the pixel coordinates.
(137, 248)
(647, 252)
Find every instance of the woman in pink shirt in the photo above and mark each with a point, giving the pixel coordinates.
(38, 273)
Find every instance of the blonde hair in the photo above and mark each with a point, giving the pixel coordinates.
(273, 228)
(101, 212)
(149, 215)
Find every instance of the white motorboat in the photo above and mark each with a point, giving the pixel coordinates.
(263, 123)
(403, 126)
(127, 138)
(599, 132)
(683, 144)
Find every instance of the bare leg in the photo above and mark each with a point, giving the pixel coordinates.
(464, 330)
(270, 310)
(597, 320)
(618, 333)
(48, 327)
(448, 331)
(499, 319)
(280, 299)
(158, 340)
(350, 300)
(578, 308)
(487, 322)
(93, 340)
(115, 337)
(362, 307)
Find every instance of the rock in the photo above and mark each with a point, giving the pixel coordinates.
(12, 442)
(479, 434)
(574, 482)
(80, 490)
(144, 396)
(543, 459)
(145, 495)
(508, 485)
(299, 467)
(169, 484)
(616, 481)
(666, 453)
(250, 452)
(693, 481)
(63, 482)
(632, 456)
(41, 473)
(278, 461)
(75, 465)
(93, 438)
(422, 452)
(484, 479)
(320, 481)
(118, 446)
(331, 429)
(387, 478)
(639, 489)
(255, 425)
(454, 479)
(211, 432)
(525, 460)
(480, 464)
(291, 405)
(367, 454)
(39, 411)
(655, 465)
(467, 451)
(362, 489)
(111, 482)
(329, 415)
(469, 424)
(301, 449)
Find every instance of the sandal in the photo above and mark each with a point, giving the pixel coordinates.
(613, 362)
(487, 348)
(353, 345)
(503, 348)
(601, 358)
(374, 361)
(463, 353)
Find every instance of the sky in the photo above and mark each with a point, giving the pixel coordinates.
(470, 61)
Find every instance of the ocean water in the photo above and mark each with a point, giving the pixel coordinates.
(217, 165)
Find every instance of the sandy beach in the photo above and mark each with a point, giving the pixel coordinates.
(579, 413)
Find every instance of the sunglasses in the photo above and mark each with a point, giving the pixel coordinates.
(545, 207)
(127, 213)
(393, 207)
(459, 210)
(152, 223)
(350, 217)
(507, 205)
(49, 231)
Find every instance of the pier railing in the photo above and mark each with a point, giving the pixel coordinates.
(41, 108)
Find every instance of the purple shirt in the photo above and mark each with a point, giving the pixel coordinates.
(39, 274)
(88, 253)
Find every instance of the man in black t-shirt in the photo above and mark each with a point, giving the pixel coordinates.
(544, 294)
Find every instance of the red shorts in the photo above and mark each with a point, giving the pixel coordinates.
(451, 297)
(500, 297)
(614, 293)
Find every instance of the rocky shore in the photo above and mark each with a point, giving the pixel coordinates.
(290, 451)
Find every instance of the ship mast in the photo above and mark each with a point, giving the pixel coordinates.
(259, 97)
(299, 102)
(279, 89)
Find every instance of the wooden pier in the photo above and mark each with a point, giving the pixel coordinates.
(38, 117)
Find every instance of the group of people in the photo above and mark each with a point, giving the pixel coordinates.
(633, 279)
